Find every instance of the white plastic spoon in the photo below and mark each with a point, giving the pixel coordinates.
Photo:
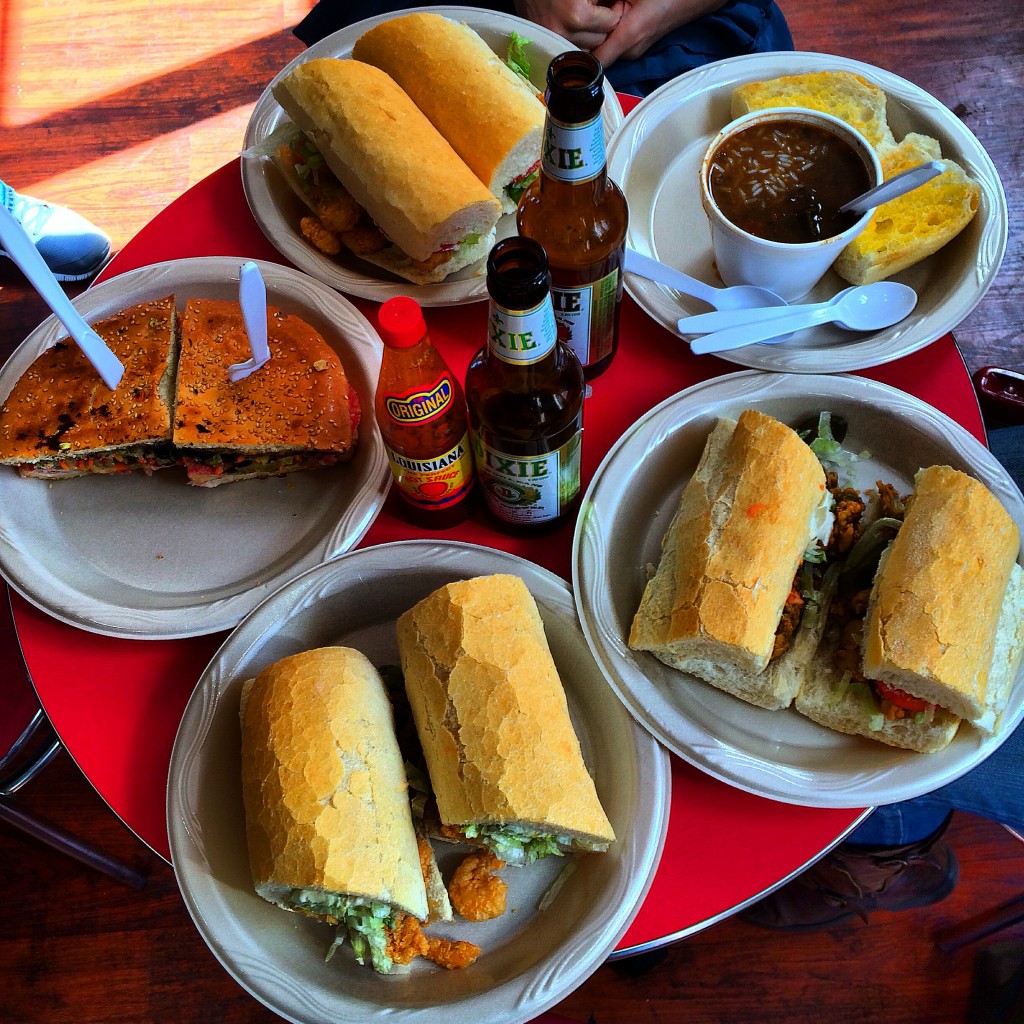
(21, 250)
(720, 320)
(252, 296)
(862, 308)
(741, 296)
(898, 185)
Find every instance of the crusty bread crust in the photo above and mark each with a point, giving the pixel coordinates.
(936, 601)
(61, 405)
(323, 783)
(392, 160)
(730, 555)
(299, 400)
(492, 120)
(491, 713)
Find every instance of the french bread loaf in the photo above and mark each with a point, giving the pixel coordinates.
(388, 156)
(729, 558)
(323, 783)
(491, 712)
(486, 111)
(947, 595)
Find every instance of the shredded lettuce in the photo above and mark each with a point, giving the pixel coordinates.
(517, 59)
(515, 844)
(363, 922)
(516, 189)
(831, 454)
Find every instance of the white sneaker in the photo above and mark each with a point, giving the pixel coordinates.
(74, 249)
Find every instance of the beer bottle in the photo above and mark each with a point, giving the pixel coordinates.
(421, 412)
(525, 393)
(578, 214)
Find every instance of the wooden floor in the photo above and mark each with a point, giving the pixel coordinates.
(115, 107)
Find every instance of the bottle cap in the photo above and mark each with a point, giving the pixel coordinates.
(401, 322)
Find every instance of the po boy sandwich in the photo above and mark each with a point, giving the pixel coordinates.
(61, 421)
(735, 597)
(937, 636)
(492, 117)
(328, 823)
(296, 412)
(429, 215)
(504, 762)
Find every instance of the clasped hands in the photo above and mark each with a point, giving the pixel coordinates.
(613, 29)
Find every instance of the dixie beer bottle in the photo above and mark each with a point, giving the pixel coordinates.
(577, 213)
(421, 412)
(525, 393)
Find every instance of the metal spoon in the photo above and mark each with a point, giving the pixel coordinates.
(868, 307)
(20, 248)
(898, 185)
(741, 296)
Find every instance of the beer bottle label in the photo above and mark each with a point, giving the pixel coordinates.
(573, 152)
(585, 315)
(522, 337)
(529, 489)
(435, 482)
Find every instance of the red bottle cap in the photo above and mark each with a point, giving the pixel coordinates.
(401, 322)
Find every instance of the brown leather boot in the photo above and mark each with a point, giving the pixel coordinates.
(851, 881)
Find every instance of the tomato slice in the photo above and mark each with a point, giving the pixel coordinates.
(900, 698)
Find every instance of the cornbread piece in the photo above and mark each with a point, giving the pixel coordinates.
(910, 228)
(504, 762)
(842, 94)
(755, 504)
(62, 421)
(296, 412)
(328, 822)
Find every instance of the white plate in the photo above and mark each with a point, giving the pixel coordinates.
(655, 157)
(150, 557)
(531, 960)
(631, 499)
(277, 209)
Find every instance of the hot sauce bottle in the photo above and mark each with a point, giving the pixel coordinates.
(421, 412)
(578, 214)
(525, 393)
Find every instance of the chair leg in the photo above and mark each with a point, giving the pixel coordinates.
(71, 845)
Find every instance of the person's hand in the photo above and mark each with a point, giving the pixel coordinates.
(644, 22)
(585, 23)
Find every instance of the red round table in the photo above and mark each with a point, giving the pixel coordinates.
(116, 703)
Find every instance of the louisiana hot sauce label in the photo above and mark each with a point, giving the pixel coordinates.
(438, 480)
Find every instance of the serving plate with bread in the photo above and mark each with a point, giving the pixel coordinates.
(144, 556)
(529, 958)
(279, 211)
(768, 748)
(656, 155)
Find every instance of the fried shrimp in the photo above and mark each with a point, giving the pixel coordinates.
(476, 893)
(315, 233)
(339, 213)
(406, 940)
(453, 954)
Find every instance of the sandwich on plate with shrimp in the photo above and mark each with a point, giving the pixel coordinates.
(926, 625)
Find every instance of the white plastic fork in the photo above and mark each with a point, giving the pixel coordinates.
(22, 251)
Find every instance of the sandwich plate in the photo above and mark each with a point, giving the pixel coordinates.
(628, 506)
(277, 209)
(655, 157)
(151, 557)
(531, 959)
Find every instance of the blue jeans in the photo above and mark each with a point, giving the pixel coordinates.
(994, 788)
(738, 27)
